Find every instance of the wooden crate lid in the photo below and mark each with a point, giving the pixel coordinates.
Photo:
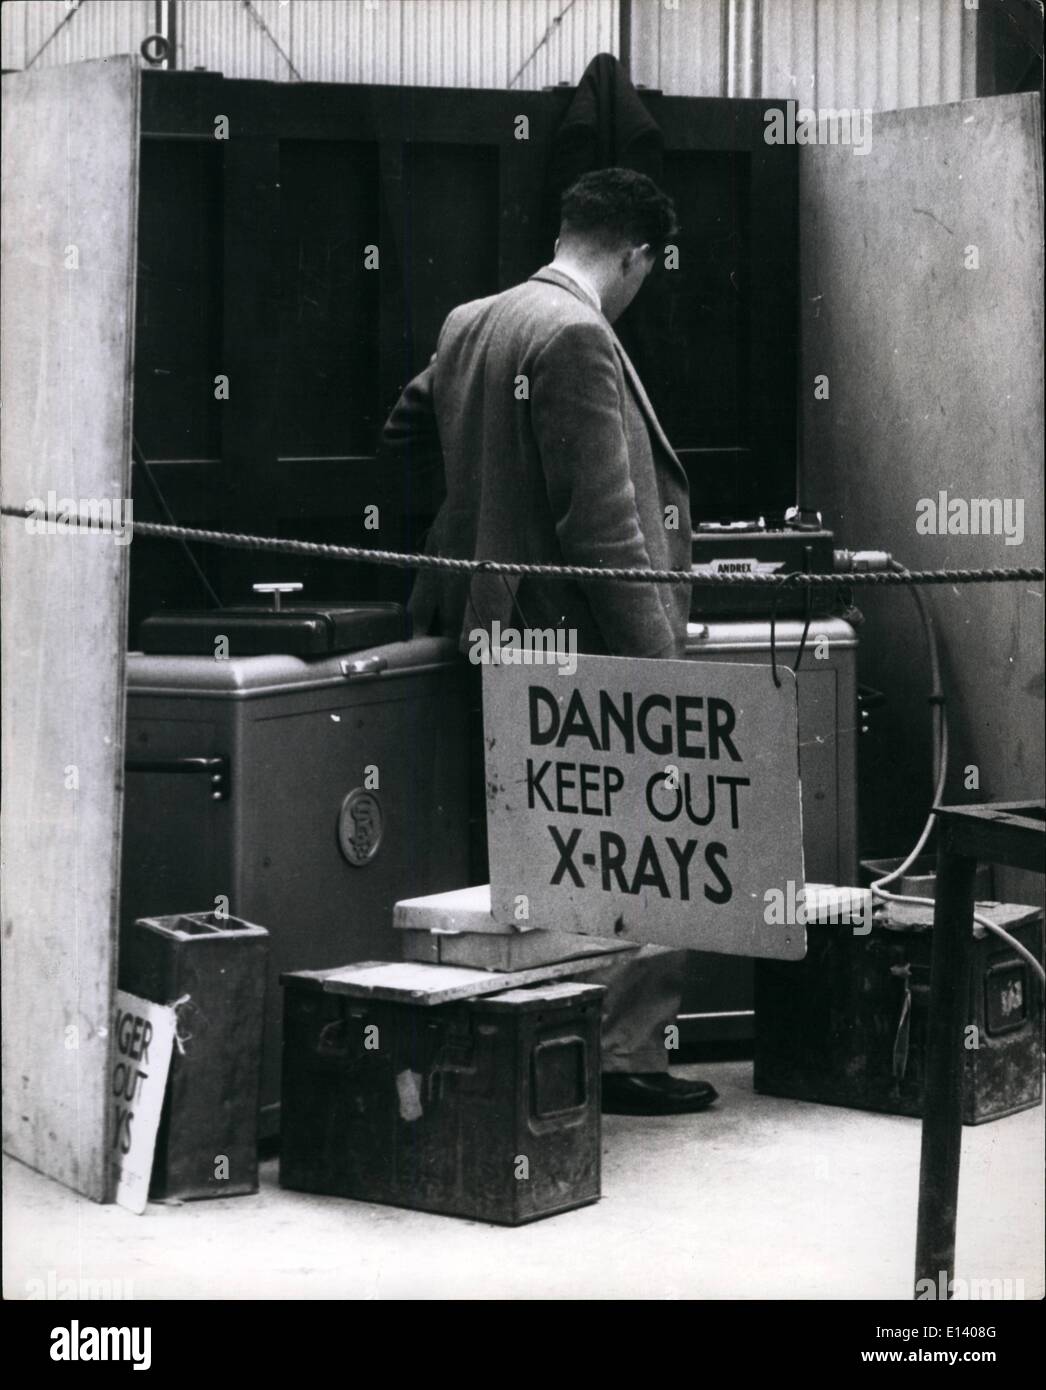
(413, 982)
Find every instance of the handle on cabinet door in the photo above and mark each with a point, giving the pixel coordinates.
(217, 769)
(365, 666)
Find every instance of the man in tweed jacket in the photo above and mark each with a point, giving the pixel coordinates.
(552, 454)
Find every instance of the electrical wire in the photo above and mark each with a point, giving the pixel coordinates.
(808, 614)
(154, 487)
(808, 610)
(54, 33)
(940, 768)
(557, 20)
(256, 17)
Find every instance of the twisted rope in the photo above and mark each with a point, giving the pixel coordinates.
(397, 560)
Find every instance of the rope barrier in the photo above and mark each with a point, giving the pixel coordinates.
(397, 560)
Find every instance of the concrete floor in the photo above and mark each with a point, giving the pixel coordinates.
(757, 1198)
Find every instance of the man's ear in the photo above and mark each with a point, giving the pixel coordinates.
(634, 254)
(555, 247)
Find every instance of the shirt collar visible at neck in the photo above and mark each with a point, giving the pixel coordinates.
(583, 283)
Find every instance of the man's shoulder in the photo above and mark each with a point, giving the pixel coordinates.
(540, 308)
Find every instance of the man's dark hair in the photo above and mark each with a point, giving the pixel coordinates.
(618, 207)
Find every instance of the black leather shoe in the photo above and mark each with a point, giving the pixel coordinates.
(654, 1093)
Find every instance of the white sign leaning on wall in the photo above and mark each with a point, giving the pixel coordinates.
(655, 801)
(143, 1041)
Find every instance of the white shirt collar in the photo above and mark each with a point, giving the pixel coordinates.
(584, 285)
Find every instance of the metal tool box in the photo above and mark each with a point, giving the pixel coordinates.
(213, 970)
(759, 549)
(488, 1108)
(294, 627)
(306, 796)
(847, 1025)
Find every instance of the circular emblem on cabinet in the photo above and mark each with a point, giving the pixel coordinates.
(360, 827)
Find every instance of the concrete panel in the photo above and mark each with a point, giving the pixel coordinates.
(70, 152)
(935, 381)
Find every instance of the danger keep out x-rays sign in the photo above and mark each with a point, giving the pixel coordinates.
(655, 801)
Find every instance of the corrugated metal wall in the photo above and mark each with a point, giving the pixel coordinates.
(451, 43)
(877, 54)
(885, 55)
(445, 43)
(87, 30)
(882, 54)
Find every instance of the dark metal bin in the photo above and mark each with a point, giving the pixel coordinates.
(487, 1108)
(213, 970)
(848, 1024)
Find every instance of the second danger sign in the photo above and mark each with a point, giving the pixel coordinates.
(653, 800)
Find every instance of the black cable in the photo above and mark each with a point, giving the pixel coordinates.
(773, 639)
(808, 610)
(486, 567)
(161, 502)
(806, 627)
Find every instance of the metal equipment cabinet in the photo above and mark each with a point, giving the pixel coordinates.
(305, 796)
(718, 998)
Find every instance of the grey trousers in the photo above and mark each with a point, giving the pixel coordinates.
(643, 992)
(641, 1003)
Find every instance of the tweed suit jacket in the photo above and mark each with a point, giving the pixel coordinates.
(551, 453)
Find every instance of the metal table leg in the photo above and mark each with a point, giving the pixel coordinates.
(952, 952)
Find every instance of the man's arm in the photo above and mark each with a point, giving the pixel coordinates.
(410, 442)
(576, 412)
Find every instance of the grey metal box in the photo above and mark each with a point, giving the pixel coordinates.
(306, 796)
